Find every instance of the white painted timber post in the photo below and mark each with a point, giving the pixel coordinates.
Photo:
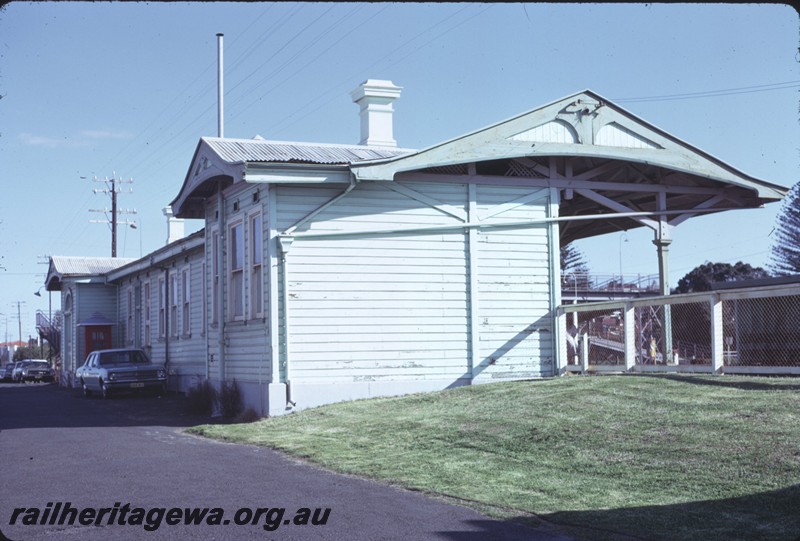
(585, 352)
(285, 243)
(717, 339)
(630, 336)
(559, 335)
(275, 262)
(562, 357)
(472, 254)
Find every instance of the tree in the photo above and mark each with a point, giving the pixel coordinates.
(691, 321)
(574, 269)
(703, 276)
(572, 261)
(785, 257)
(28, 352)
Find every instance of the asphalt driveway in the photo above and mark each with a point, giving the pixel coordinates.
(85, 469)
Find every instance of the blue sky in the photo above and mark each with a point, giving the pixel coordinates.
(127, 89)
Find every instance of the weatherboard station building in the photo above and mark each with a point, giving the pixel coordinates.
(330, 272)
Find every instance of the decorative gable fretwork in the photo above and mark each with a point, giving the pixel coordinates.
(614, 135)
(557, 131)
(562, 132)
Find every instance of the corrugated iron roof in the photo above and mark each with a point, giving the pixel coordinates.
(79, 266)
(260, 150)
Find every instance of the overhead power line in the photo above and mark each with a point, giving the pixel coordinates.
(335, 89)
(270, 78)
(167, 128)
(112, 214)
(714, 93)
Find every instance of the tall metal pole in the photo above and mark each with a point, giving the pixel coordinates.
(220, 108)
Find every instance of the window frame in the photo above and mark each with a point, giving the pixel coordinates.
(256, 263)
(215, 281)
(162, 301)
(186, 298)
(129, 326)
(147, 314)
(236, 255)
(174, 301)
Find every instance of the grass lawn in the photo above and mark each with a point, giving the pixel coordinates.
(650, 457)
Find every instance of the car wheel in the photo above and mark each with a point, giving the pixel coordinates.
(86, 392)
(105, 390)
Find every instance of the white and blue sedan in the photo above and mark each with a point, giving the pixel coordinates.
(108, 371)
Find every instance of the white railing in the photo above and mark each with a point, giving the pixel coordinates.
(752, 330)
(575, 284)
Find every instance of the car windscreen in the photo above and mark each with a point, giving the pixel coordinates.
(122, 357)
(39, 365)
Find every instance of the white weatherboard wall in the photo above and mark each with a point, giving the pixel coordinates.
(392, 313)
(167, 323)
(514, 313)
(245, 355)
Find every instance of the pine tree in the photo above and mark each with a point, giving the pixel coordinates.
(574, 269)
(572, 261)
(785, 257)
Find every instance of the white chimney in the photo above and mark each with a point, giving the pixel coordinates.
(175, 226)
(375, 98)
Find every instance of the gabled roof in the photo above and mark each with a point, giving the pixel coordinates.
(109, 269)
(79, 267)
(221, 161)
(601, 156)
(582, 124)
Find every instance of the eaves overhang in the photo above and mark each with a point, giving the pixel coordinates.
(162, 256)
(219, 163)
(80, 269)
(581, 125)
(207, 174)
(296, 173)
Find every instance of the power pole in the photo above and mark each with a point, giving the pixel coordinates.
(19, 320)
(113, 189)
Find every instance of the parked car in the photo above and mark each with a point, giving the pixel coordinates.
(36, 370)
(114, 370)
(7, 372)
(16, 374)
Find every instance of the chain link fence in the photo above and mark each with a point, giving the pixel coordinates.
(762, 331)
(604, 334)
(747, 330)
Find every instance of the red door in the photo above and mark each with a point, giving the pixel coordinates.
(98, 337)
